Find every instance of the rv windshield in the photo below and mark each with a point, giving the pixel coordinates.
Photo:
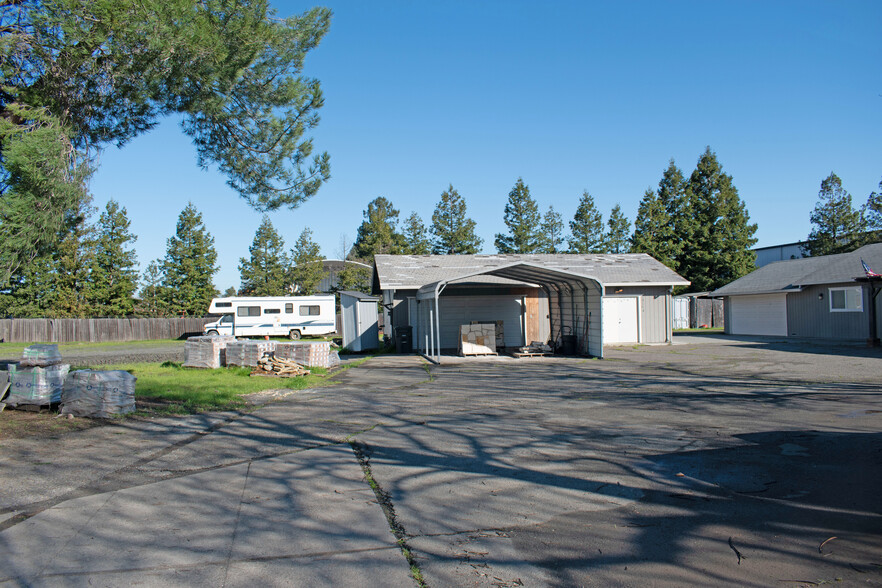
(226, 319)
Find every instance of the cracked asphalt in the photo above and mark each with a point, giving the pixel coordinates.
(715, 461)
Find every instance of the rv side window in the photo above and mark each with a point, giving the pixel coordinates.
(309, 310)
(289, 308)
(224, 305)
(248, 311)
(271, 311)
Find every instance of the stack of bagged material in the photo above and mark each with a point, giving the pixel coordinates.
(247, 353)
(333, 359)
(91, 393)
(316, 354)
(206, 352)
(38, 379)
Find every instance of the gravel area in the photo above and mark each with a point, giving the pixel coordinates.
(135, 352)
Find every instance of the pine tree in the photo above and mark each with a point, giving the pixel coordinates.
(552, 231)
(586, 228)
(307, 270)
(619, 230)
(452, 231)
(151, 303)
(113, 274)
(71, 263)
(523, 221)
(29, 292)
(377, 233)
(189, 267)
(719, 251)
(837, 227)
(353, 277)
(873, 214)
(267, 271)
(230, 292)
(415, 240)
(654, 232)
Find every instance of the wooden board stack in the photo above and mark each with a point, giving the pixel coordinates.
(279, 367)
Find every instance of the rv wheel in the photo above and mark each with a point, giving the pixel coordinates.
(294, 334)
(212, 333)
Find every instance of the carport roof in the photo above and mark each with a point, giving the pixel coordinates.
(412, 272)
(794, 274)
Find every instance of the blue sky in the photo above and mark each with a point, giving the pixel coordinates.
(571, 96)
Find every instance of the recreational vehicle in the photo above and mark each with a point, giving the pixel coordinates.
(293, 316)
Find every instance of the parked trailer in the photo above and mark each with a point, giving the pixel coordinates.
(254, 316)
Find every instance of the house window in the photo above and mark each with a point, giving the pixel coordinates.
(289, 308)
(248, 311)
(309, 310)
(271, 311)
(846, 299)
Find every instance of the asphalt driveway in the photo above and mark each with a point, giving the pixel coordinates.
(710, 462)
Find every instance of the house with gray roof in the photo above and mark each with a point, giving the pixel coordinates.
(576, 302)
(826, 297)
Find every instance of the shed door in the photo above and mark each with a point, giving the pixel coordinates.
(620, 324)
(758, 314)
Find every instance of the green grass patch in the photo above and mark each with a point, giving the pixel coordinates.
(169, 388)
(17, 348)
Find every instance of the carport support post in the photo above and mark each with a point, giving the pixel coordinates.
(431, 333)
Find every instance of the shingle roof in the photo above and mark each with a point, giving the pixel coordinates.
(410, 272)
(792, 274)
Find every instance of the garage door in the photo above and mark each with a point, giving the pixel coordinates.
(620, 323)
(760, 314)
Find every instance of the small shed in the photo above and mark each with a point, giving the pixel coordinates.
(359, 316)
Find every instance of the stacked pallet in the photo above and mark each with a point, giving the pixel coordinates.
(273, 366)
(534, 349)
(38, 379)
(99, 394)
(247, 353)
(317, 354)
(206, 352)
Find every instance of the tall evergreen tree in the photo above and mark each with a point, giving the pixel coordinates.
(113, 274)
(378, 232)
(353, 277)
(523, 221)
(654, 232)
(719, 251)
(151, 303)
(266, 271)
(619, 230)
(552, 231)
(416, 242)
(586, 228)
(837, 227)
(873, 214)
(452, 231)
(189, 266)
(307, 270)
(72, 261)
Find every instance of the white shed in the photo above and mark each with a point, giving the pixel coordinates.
(359, 316)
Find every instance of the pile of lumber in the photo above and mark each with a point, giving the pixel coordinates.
(279, 367)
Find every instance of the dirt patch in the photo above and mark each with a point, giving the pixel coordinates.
(20, 424)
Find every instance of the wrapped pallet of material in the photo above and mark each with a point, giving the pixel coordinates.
(247, 353)
(333, 359)
(317, 354)
(206, 351)
(91, 393)
(40, 355)
(36, 386)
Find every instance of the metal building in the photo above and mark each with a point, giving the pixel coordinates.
(359, 316)
(587, 300)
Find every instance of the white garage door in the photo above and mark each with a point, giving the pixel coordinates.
(759, 314)
(620, 323)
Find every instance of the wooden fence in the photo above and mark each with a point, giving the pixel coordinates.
(94, 330)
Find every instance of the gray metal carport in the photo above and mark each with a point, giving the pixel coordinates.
(575, 303)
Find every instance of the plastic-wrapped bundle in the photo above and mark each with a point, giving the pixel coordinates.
(309, 354)
(207, 351)
(36, 385)
(333, 359)
(246, 353)
(40, 355)
(91, 393)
